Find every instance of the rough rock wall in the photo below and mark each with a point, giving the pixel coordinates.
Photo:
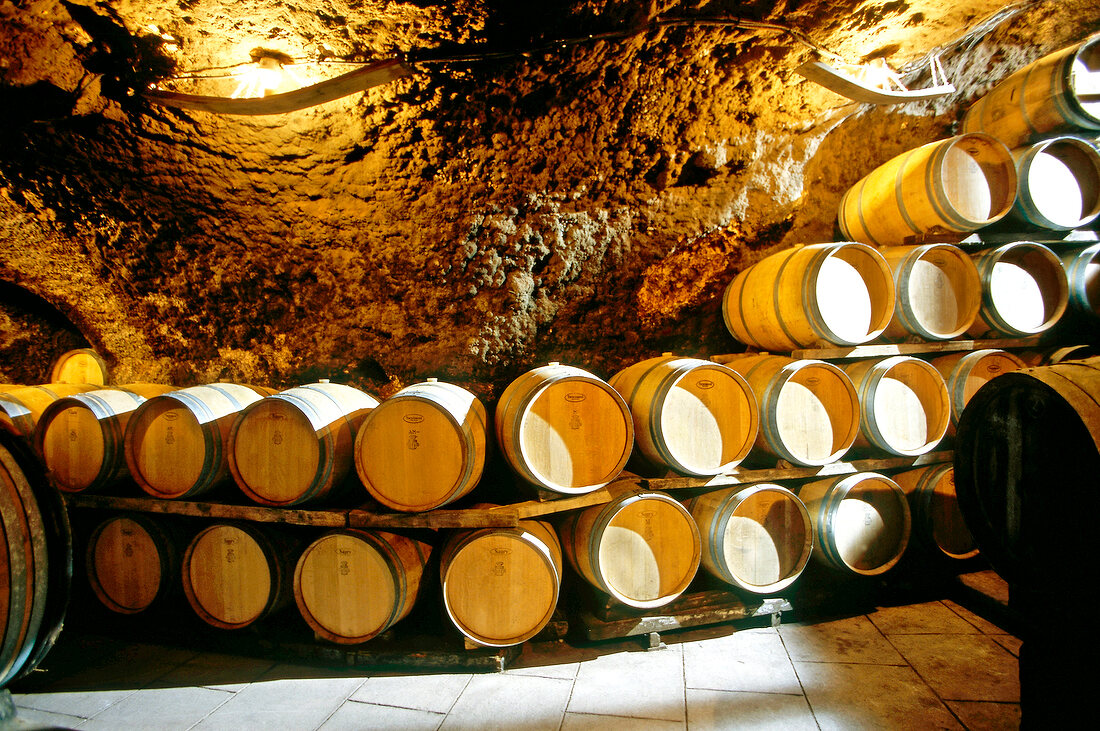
(586, 202)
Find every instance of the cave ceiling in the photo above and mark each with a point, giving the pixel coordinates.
(571, 180)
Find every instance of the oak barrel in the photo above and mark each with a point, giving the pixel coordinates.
(840, 293)
(79, 366)
(132, 562)
(905, 408)
(564, 429)
(500, 585)
(351, 585)
(295, 447)
(1082, 267)
(965, 373)
(80, 437)
(423, 447)
(1055, 355)
(35, 561)
(642, 548)
(756, 537)
(809, 409)
(1024, 290)
(176, 443)
(938, 524)
(938, 290)
(20, 408)
(235, 574)
(1059, 184)
(1053, 94)
(693, 416)
(960, 184)
(861, 522)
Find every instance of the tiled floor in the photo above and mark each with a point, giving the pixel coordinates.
(931, 664)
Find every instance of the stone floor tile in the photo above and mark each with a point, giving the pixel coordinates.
(963, 667)
(31, 719)
(983, 716)
(925, 618)
(215, 670)
(82, 704)
(981, 623)
(567, 671)
(853, 639)
(435, 693)
(593, 722)
(640, 684)
(99, 664)
(282, 704)
(163, 709)
(509, 702)
(845, 696)
(709, 710)
(753, 660)
(355, 716)
(1009, 642)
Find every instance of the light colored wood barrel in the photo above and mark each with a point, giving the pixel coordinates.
(938, 524)
(235, 575)
(693, 416)
(960, 184)
(295, 447)
(642, 549)
(965, 373)
(809, 409)
(756, 537)
(176, 443)
(1059, 184)
(500, 585)
(839, 293)
(939, 292)
(1024, 290)
(79, 366)
(21, 408)
(1054, 94)
(132, 562)
(80, 437)
(861, 522)
(423, 447)
(564, 429)
(905, 408)
(1055, 355)
(1082, 267)
(351, 585)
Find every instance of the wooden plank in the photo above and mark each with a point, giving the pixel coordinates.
(224, 511)
(692, 610)
(325, 91)
(859, 91)
(882, 350)
(502, 517)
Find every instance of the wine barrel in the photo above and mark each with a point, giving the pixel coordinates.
(295, 447)
(905, 408)
(176, 443)
(351, 585)
(1082, 267)
(1024, 290)
(642, 549)
(839, 293)
(1058, 184)
(79, 366)
(35, 561)
(80, 437)
(809, 409)
(500, 585)
(938, 291)
(861, 522)
(757, 537)
(960, 184)
(965, 373)
(563, 429)
(938, 524)
(21, 408)
(1055, 355)
(693, 416)
(1054, 94)
(235, 574)
(132, 562)
(423, 447)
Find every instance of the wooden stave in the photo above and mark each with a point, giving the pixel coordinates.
(920, 486)
(956, 370)
(95, 366)
(164, 539)
(1030, 211)
(867, 375)
(1077, 262)
(644, 388)
(905, 322)
(473, 438)
(777, 295)
(21, 408)
(991, 322)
